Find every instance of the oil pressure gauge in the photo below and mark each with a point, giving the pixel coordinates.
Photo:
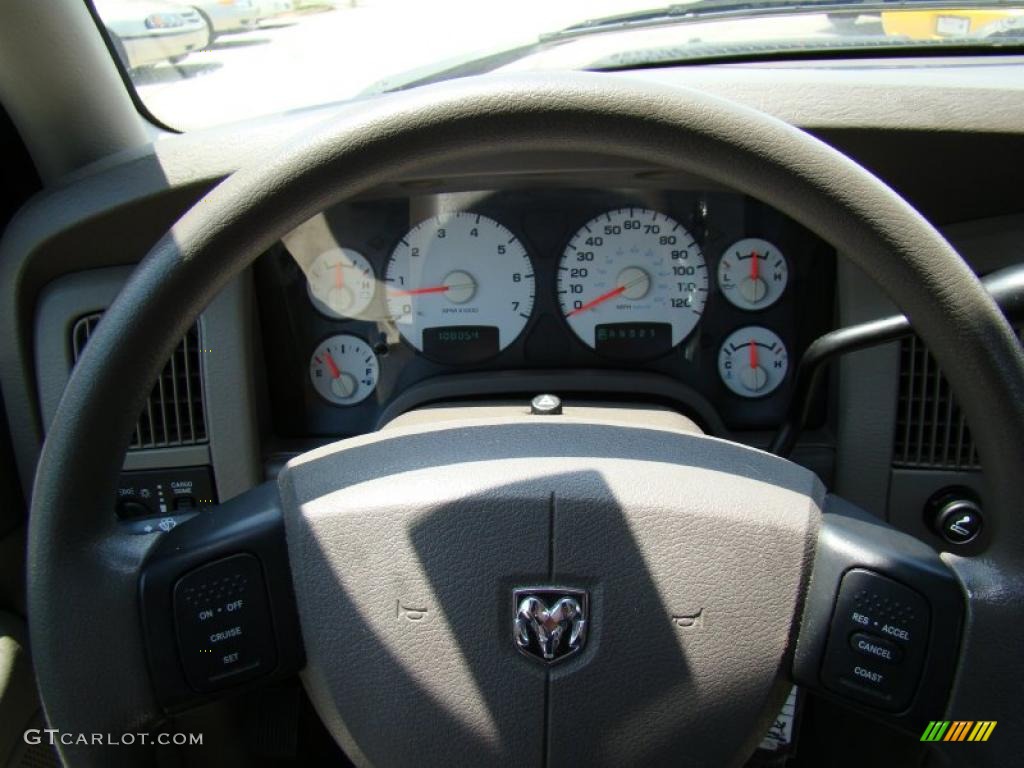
(752, 274)
(343, 369)
(753, 361)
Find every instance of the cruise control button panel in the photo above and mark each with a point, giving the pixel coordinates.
(222, 616)
(877, 642)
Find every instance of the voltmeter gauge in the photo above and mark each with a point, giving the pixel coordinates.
(341, 283)
(753, 361)
(343, 370)
(752, 274)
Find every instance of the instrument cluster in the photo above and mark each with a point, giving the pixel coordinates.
(713, 290)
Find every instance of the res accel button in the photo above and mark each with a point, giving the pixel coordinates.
(875, 647)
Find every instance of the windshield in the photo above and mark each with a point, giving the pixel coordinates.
(216, 61)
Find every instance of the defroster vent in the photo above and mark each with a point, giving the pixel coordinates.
(931, 431)
(175, 412)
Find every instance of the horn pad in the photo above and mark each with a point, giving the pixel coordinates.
(407, 547)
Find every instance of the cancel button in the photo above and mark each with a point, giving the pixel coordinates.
(875, 647)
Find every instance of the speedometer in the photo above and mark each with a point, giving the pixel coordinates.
(459, 287)
(632, 283)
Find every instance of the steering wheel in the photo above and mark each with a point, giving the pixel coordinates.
(419, 578)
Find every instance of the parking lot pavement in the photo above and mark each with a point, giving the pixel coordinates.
(314, 58)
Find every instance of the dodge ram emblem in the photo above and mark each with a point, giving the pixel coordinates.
(549, 623)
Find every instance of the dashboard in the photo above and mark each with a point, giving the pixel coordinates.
(709, 293)
(70, 250)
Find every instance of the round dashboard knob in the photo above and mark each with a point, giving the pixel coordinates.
(546, 405)
(959, 521)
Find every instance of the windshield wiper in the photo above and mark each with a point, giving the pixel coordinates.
(702, 9)
(678, 11)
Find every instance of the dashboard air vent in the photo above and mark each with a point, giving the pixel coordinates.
(931, 431)
(175, 413)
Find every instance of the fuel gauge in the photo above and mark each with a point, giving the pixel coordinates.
(753, 361)
(344, 369)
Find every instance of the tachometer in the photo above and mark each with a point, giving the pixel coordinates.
(632, 283)
(459, 287)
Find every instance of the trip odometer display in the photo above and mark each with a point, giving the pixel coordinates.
(459, 287)
(632, 283)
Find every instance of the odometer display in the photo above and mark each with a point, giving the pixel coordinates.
(455, 344)
(633, 339)
(632, 270)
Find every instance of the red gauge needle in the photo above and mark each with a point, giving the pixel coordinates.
(609, 295)
(444, 287)
(420, 291)
(332, 366)
(339, 278)
(755, 266)
(753, 354)
(599, 300)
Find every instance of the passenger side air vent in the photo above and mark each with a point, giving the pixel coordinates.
(931, 431)
(175, 413)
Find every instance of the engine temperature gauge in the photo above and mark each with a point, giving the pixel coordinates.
(753, 361)
(344, 370)
(341, 283)
(752, 274)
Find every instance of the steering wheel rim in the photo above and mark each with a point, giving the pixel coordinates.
(81, 569)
